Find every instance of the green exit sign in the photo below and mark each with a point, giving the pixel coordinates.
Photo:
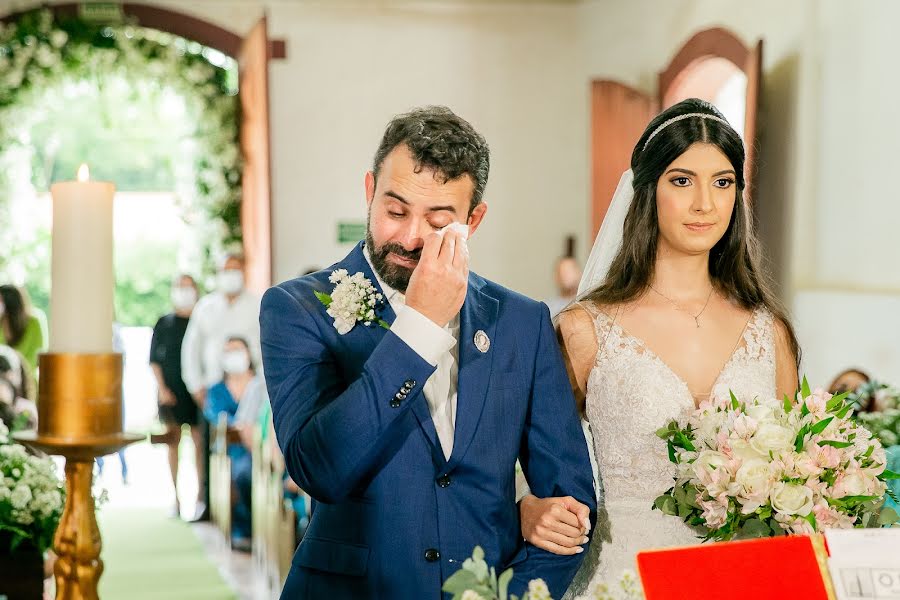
(101, 12)
(350, 232)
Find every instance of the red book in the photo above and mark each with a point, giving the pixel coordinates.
(792, 568)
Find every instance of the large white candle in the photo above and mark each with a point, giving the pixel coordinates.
(81, 289)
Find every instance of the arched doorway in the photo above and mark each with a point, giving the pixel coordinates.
(713, 65)
(250, 210)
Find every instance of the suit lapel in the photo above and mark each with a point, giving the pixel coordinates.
(479, 313)
(354, 263)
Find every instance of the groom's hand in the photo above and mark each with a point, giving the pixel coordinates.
(557, 525)
(437, 288)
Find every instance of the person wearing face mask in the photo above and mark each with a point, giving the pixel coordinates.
(231, 310)
(176, 406)
(239, 396)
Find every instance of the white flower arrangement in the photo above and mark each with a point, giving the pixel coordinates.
(761, 468)
(31, 495)
(475, 581)
(627, 587)
(353, 300)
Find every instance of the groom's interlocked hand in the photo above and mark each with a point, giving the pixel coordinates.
(437, 288)
(557, 525)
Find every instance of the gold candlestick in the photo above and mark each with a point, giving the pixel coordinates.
(80, 418)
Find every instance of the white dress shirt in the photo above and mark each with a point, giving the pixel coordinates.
(438, 346)
(212, 322)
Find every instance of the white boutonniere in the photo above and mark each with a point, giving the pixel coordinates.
(354, 299)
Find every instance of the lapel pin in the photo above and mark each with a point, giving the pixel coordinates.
(482, 341)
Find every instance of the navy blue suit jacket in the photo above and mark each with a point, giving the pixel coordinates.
(394, 518)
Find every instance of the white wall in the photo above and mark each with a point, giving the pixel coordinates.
(520, 72)
(511, 69)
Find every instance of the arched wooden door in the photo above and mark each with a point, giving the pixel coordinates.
(619, 115)
(716, 66)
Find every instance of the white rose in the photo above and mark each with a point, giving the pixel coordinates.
(709, 424)
(743, 450)
(792, 499)
(761, 412)
(755, 477)
(709, 461)
(471, 595)
(772, 437)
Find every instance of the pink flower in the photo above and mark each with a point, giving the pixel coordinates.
(715, 512)
(826, 457)
(829, 518)
(745, 426)
(816, 403)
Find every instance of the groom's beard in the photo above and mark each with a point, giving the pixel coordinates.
(392, 274)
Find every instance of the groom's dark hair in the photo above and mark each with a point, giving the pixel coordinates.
(439, 140)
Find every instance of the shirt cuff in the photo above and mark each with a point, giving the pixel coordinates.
(422, 335)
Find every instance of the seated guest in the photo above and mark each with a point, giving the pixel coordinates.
(239, 385)
(848, 381)
(20, 326)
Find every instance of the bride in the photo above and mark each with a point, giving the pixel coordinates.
(673, 311)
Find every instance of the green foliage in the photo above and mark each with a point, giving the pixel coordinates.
(41, 52)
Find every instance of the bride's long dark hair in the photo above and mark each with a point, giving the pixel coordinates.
(734, 264)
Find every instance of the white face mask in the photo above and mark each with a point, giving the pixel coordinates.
(231, 281)
(183, 298)
(235, 362)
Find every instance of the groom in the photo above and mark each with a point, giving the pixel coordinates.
(407, 437)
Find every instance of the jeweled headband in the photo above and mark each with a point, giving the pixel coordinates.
(681, 118)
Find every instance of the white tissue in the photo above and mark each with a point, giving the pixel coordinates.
(461, 228)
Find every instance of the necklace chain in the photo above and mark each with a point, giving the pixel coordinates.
(684, 310)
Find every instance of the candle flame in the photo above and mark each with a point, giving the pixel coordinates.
(84, 173)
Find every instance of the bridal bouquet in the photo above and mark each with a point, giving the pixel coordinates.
(763, 467)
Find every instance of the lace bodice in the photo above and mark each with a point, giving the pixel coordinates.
(631, 393)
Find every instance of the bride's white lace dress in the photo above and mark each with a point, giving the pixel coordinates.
(631, 393)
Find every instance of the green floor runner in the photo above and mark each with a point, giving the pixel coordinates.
(151, 556)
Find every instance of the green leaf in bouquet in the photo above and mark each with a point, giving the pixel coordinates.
(690, 496)
(755, 528)
(503, 583)
(671, 448)
(804, 388)
(821, 425)
(844, 412)
(800, 441)
(887, 475)
(890, 494)
(835, 402)
(684, 511)
(804, 410)
(835, 444)
(323, 298)
(811, 517)
(888, 516)
(787, 404)
(459, 582)
(667, 504)
(684, 441)
(735, 404)
(856, 500)
(663, 433)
